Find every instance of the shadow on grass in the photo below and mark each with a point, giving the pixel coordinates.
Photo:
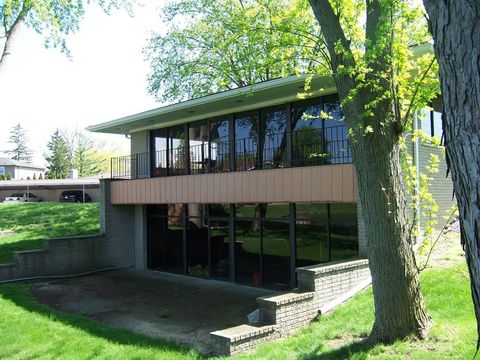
(6, 250)
(358, 350)
(18, 293)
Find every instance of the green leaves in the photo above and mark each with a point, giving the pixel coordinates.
(212, 46)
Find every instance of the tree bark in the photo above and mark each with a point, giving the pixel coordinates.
(399, 306)
(455, 27)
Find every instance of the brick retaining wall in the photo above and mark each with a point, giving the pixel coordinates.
(320, 287)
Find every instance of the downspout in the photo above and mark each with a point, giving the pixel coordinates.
(416, 161)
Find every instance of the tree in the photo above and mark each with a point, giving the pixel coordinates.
(219, 45)
(57, 157)
(365, 45)
(53, 18)
(455, 27)
(20, 151)
(371, 66)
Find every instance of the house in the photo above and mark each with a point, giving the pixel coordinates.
(245, 185)
(18, 170)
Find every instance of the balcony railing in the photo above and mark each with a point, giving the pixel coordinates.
(304, 147)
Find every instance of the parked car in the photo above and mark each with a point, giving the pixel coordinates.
(22, 197)
(74, 196)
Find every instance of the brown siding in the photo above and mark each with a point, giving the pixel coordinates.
(332, 183)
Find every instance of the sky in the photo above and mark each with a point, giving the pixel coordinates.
(105, 79)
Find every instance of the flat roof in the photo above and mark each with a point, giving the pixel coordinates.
(49, 184)
(267, 93)
(9, 162)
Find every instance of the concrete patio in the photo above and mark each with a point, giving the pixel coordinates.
(177, 308)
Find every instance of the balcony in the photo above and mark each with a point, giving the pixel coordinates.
(305, 147)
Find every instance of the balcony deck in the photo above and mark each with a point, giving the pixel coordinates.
(325, 183)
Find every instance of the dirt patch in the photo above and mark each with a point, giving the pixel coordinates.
(180, 309)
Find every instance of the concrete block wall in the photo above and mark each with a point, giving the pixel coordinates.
(114, 247)
(60, 256)
(319, 287)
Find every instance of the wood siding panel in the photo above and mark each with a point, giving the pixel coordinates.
(332, 183)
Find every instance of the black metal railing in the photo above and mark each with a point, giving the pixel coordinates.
(304, 147)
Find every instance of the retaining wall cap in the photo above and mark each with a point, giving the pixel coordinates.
(26, 252)
(333, 266)
(286, 298)
(242, 332)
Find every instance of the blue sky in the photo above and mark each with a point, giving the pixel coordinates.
(105, 78)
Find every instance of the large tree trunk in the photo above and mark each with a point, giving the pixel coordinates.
(455, 27)
(399, 307)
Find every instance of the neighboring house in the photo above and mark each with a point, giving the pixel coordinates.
(18, 170)
(245, 185)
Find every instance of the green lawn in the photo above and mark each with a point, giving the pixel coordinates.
(31, 330)
(33, 222)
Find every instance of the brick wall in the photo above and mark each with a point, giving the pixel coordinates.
(320, 288)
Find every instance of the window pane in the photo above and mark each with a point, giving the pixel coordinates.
(274, 127)
(246, 142)
(174, 245)
(312, 237)
(175, 209)
(198, 145)
(276, 211)
(156, 229)
(247, 210)
(219, 210)
(219, 249)
(177, 150)
(336, 145)
(307, 138)
(219, 146)
(426, 123)
(276, 254)
(437, 124)
(344, 231)
(159, 152)
(197, 248)
(247, 252)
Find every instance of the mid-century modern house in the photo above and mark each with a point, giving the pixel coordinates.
(19, 170)
(245, 185)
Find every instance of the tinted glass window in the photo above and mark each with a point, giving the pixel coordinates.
(276, 254)
(177, 150)
(274, 138)
(219, 146)
(219, 248)
(198, 143)
(246, 141)
(197, 248)
(174, 245)
(247, 252)
(343, 231)
(312, 234)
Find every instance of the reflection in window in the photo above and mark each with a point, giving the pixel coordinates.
(247, 252)
(343, 231)
(174, 245)
(219, 248)
(276, 253)
(197, 248)
(311, 225)
(246, 142)
(176, 150)
(159, 144)
(198, 144)
(335, 132)
(274, 138)
(219, 146)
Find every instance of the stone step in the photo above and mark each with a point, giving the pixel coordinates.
(241, 338)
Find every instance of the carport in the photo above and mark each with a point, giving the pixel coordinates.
(50, 190)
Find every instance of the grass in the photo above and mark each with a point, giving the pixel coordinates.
(32, 330)
(33, 222)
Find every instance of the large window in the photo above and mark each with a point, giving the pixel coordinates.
(273, 139)
(246, 141)
(219, 145)
(177, 150)
(197, 241)
(198, 145)
(159, 152)
(343, 231)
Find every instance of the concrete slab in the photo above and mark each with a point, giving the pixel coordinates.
(173, 307)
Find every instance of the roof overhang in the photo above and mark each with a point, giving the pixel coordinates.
(88, 183)
(268, 93)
